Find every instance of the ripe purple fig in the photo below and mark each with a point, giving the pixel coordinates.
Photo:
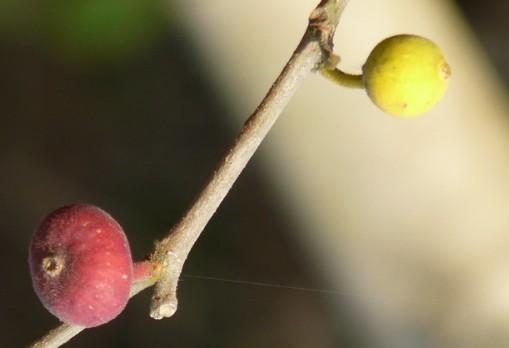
(81, 265)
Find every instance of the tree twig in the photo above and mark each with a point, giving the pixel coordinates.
(170, 253)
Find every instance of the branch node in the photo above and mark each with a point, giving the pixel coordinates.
(323, 21)
(163, 307)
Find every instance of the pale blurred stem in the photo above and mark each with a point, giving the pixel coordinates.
(313, 51)
(342, 78)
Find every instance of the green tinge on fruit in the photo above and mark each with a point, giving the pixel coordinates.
(406, 75)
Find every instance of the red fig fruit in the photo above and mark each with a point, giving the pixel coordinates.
(81, 265)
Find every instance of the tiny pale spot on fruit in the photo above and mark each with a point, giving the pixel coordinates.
(124, 276)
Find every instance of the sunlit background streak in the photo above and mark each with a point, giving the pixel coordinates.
(129, 104)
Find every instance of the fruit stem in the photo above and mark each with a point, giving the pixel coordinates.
(145, 274)
(146, 270)
(342, 78)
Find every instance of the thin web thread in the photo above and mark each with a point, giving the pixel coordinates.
(318, 291)
(266, 285)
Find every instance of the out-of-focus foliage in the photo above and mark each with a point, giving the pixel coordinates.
(86, 32)
(95, 30)
(16, 18)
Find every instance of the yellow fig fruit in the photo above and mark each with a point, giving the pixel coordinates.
(406, 75)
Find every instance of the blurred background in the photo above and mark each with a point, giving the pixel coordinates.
(129, 105)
